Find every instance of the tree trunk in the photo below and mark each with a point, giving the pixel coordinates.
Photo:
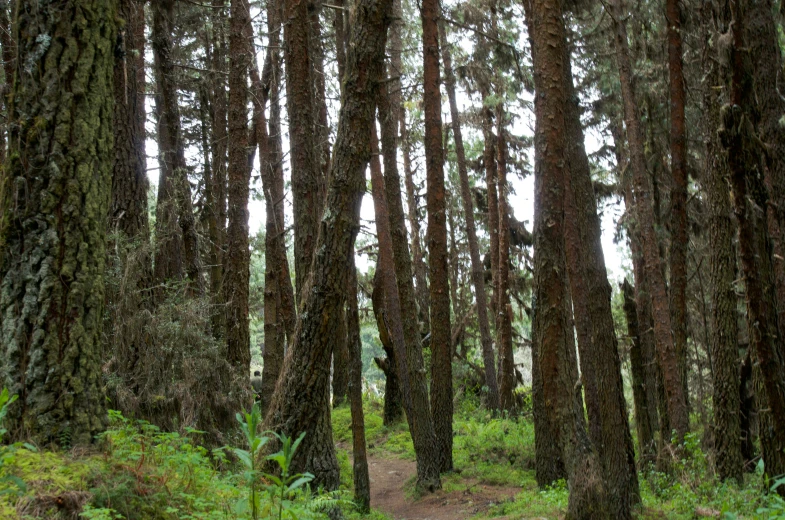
(128, 211)
(609, 428)
(341, 362)
(301, 399)
(489, 158)
(321, 125)
(236, 279)
(9, 63)
(666, 352)
(54, 226)
(722, 271)
(362, 486)
(177, 242)
(648, 447)
(441, 351)
(678, 224)
(306, 174)
(393, 399)
(745, 159)
(552, 331)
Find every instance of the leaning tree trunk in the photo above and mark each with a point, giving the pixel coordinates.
(392, 412)
(609, 428)
(745, 159)
(56, 189)
(301, 400)
(177, 241)
(644, 212)
(552, 331)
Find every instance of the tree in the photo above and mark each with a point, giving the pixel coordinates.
(53, 235)
(552, 334)
(478, 270)
(644, 216)
(301, 399)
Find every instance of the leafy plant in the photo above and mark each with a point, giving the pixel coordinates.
(249, 423)
(12, 483)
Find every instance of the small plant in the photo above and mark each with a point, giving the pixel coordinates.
(285, 486)
(249, 423)
(11, 483)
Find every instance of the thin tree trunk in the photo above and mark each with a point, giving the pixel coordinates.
(678, 227)
(321, 125)
(362, 486)
(393, 398)
(236, 280)
(489, 158)
(666, 352)
(646, 443)
(341, 362)
(552, 331)
(419, 416)
(54, 224)
(609, 428)
(478, 272)
(301, 399)
(9, 58)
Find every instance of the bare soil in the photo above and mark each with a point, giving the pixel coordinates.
(389, 478)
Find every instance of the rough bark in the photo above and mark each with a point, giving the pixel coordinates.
(644, 216)
(609, 428)
(362, 486)
(745, 160)
(678, 223)
(56, 191)
(722, 273)
(237, 260)
(646, 443)
(419, 415)
(341, 362)
(441, 351)
(177, 250)
(393, 399)
(552, 331)
(321, 124)
(128, 212)
(9, 57)
(306, 173)
(301, 399)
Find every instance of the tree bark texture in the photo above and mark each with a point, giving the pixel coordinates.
(678, 224)
(301, 399)
(393, 398)
(341, 362)
(609, 428)
(644, 217)
(306, 175)
(8, 53)
(441, 350)
(724, 351)
(237, 275)
(56, 191)
(177, 241)
(128, 212)
(745, 159)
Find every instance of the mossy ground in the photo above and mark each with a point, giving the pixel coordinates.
(137, 471)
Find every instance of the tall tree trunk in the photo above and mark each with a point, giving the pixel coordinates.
(489, 158)
(552, 331)
(236, 279)
(306, 174)
(393, 398)
(321, 125)
(723, 345)
(9, 58)
(362, 485)
(178, 245)
(341, 362)
(644, 426)
(419, 415)
(609, 428)
(745, 159)
(478, 272)
(762, 31)
(678, 225)
(301, 399)
(441, 351)
(503, 306)
(666, 352)
(128, 211)
(53, 235)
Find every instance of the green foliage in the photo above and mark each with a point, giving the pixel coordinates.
(10, 484)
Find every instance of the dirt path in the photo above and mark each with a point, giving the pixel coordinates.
(390, 475)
